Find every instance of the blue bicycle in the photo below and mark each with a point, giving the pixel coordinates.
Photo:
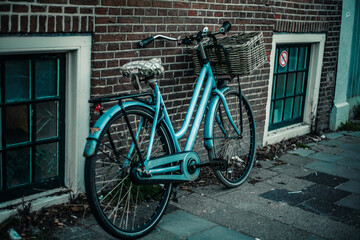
(133, 155)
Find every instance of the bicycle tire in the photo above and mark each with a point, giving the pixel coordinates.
(121, 208)
(238, 153)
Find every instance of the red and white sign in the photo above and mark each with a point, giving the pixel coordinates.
(283, 58)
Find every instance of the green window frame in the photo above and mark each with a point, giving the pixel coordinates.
(289, 85)
(32, 126)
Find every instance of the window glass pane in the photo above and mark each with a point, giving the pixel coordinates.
(46, 78)
(46, 120)
(281, 58)
(290, 84)
(273, 88)
(293, 59)
(1, 184)
(18, 167)
(278, 111)
(17, 80)
(271, 112)
(297, 106)
(280, 85)
(288, 108)
(276, 61)
(47, 161)
(1, 129)
(17, 124)
(300, 82)
(302, 58)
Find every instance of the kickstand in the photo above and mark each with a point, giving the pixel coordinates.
(174, 194)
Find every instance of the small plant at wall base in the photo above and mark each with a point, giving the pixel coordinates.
(356, 112)
(349, 126)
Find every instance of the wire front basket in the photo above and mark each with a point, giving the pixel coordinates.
(235, 55)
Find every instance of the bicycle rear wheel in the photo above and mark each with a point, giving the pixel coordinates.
(123, 209)
(237, 152)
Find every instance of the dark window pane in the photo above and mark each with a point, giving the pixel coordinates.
(1, 129)
(1, 170)
(46, 120)
(298, 106)
(276, 61)
(46, 78)
(300, 82)
(271, 112)
(17, 124)
(47, 161)
(17, 80)
(288, 109)
(293, 55)
(273, 88)
(18, 167)
(278, 111)
(280, 85)
(302, 58)
(290, 84)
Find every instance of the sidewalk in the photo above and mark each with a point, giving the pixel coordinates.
(307, 194)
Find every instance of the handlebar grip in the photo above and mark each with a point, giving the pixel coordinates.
(225, 27)
(146, 41)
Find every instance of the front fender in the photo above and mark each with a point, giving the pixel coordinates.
(100, 124)
(209, 120)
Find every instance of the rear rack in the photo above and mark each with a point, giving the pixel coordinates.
(112, 98)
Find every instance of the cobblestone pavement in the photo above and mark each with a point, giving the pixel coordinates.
(311, 194)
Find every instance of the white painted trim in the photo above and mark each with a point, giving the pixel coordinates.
(312, 95)
(78, 72)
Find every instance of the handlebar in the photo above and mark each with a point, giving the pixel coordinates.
(189, 40)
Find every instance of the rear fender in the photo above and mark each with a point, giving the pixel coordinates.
(97, 129)
(209, 120)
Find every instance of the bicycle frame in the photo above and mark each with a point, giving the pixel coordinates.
(211, 92)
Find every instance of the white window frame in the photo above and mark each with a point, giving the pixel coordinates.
(77, 93)
(317, 42)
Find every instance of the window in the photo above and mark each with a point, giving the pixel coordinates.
(291, 110)
(289, 85)
(32, 109)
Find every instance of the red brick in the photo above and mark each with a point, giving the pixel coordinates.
(59, 24)
(14, 23)
(116, 3)
(75, 26)
(5, 8)
(42, 24)
(37, 8)
(71, 10)
(24, 24)
(51, 24)
(55, 10)
(20, 8)
(33, 23)
(139, 3)
(84, 2)
(53, 1)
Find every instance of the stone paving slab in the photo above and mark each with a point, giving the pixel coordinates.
(332, 143)
(325, 157)
(350, 186)
(334, 169)
(351, 147)
(352, 201)
(333, 135)
(349, 155)
(302, 152)
(219, 232)
(295, 159)
(183, 224)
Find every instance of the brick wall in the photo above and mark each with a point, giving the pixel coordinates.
(117, 25)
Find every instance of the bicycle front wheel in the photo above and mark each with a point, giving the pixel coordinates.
(236, 151)
(123, 209)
